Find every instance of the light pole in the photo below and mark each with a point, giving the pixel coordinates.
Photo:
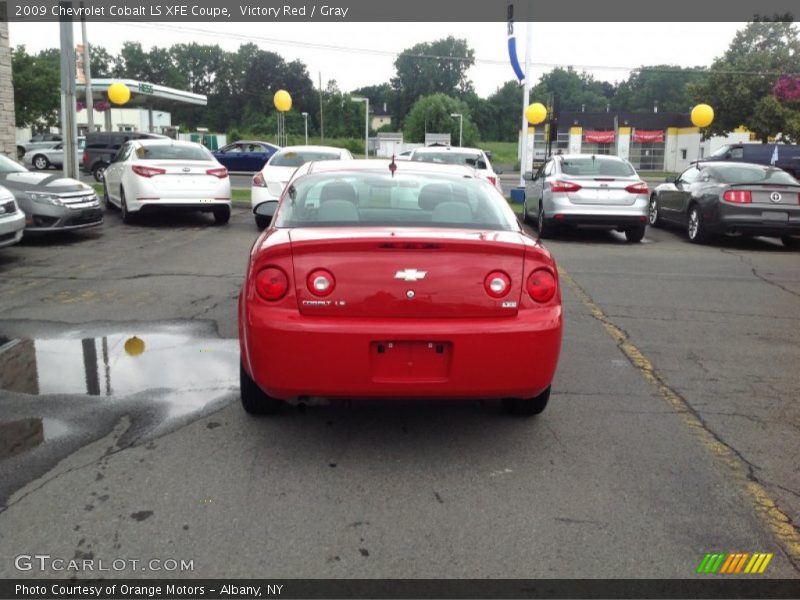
(305, 116)
(460, 127)
(366, 123)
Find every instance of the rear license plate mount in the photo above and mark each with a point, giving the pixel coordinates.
(775, 216)
(410, 361)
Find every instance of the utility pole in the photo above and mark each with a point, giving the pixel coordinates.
(87, 69)
(527, 149)
(69, 128)
(366, 123)
(321, 123)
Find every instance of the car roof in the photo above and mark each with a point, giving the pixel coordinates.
(727, 163)
(372, 165)
(312, 148)
(585, 155)
(164, 142)
(252, 142)
(447, 149)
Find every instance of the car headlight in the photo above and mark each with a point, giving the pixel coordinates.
(45, 198)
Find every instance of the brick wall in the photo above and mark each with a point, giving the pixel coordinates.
(7, 125)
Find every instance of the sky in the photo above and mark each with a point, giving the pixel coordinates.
(359, 54)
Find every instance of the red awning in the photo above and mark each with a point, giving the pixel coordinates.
(599, 137)
(640, 135)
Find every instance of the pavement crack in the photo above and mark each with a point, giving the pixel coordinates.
(754, 271)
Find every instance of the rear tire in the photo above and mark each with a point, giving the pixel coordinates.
(527, 407)
(99, 172)
(262, 222)
(254, 400)
(106, 200)
(653, 216)
(222, 215)
(635, 234)
(127, 216)
(40, 162)
(696, 228)
(546, 229)
(525, 217)
(790, 242)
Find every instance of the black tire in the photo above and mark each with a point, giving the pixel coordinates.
(127, 216)
(20, 152)
(695, 226)
(222, 215)
(527, 407)
(98, 171)
(634, 235)
(106, 200)
(40, 162)
(791, 242)
(545, 227)
(262, 222)
(525, 217)
(254, 400)
(653, 214)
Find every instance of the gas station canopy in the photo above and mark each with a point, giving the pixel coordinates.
(143, 94)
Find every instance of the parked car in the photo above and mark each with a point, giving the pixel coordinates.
(245, 155)
(12, 219)
(44, 158)
(783, 156)
(152, 175)
(472, 157)
(50, 202)
(40, 140)
(730, 198)
(587, 190)
(414, 281)
(269, 182)
(102, 146)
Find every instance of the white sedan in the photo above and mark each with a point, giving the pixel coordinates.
(471, 157)
(269, 182)
(148, 175)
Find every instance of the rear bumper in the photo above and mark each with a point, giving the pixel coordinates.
(561, 210)
(197, 205)
(750, 220)
(292, 356)
(258, 195)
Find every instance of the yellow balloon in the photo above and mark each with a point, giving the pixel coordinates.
(702, 115)
(134, 346)
(118, 93)
(536, 113)
(282, 100)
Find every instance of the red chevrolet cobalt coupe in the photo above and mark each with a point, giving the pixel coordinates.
(406, 280)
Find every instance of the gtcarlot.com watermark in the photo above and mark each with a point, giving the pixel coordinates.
(46, 562)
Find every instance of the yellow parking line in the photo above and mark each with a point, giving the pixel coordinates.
(761, 502)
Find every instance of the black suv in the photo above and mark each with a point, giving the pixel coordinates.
(103, 145)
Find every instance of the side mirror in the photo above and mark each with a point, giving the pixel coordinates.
(266, 209)
(528, 175)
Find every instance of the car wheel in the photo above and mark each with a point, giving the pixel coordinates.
(527, 407)
(525, 216)
(222, 215)
(99, 172)
(635, 234)
(106, 200)
(546, 229)
(652, 214)
(695, 228)
(127, 217)
(791, 242)
(262, 222)
(254, 400)
(40, 162)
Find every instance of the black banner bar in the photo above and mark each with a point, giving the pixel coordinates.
(184, 589)
(438, 11)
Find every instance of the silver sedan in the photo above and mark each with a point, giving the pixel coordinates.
(44, 158)
(587, 190)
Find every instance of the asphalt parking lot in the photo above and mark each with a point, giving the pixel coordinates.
(672, 430)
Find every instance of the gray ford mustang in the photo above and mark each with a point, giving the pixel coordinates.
(50, 202)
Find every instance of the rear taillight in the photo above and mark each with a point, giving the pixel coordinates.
(147, 171)
(85, 158)
(272, 283)
(738, 196)
(258, 180)
(321, 283)
(638, 188)
(219, 172)
(497, 284)
(564, 186)
(492, 180)
(541, 285)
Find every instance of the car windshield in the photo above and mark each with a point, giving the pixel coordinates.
(172, 152)
(448, 158)
(9, 166)
(297, 158)
(594, 166)
(370, 199)
(747, 174)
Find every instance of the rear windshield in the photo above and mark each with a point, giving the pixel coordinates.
(450, 158)
(593, 166)
(747, 174)
(408, 200)
(294, 158)
(173, 152)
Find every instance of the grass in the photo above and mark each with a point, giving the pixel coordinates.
(503, 153)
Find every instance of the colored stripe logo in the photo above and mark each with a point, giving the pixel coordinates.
(731, 564)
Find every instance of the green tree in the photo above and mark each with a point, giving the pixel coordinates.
(742, 77)
(37, 85)
(507, 106)
(572, 91)
(666, 85)
(430, 68)
(431, 114)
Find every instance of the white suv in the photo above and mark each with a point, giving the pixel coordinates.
(471, 157)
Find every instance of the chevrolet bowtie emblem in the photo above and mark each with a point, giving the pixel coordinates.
(410, 275)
